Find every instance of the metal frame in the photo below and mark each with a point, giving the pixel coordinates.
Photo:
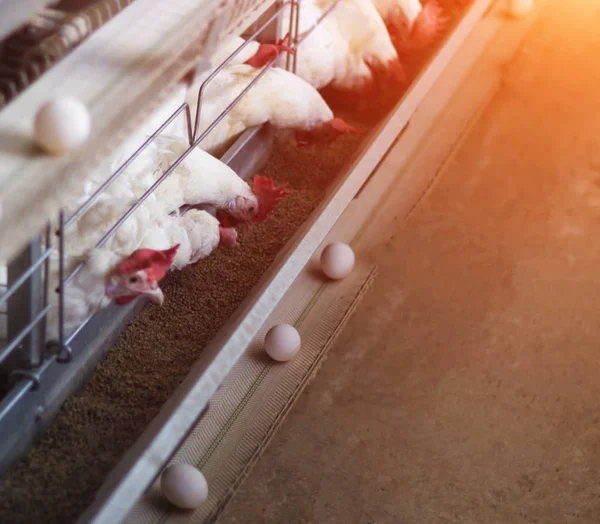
(25, 417)
(144, 461)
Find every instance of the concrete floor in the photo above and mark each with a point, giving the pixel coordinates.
(467, 388)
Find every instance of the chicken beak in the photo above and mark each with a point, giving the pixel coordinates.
(156, 296)
(246, 208)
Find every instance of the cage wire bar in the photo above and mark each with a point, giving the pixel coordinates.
(27, 356)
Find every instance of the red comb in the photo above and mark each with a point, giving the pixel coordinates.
(268, 195)
(284, 43)
(153, 262)
(268, 52)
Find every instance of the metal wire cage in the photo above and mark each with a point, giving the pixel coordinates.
(28, 359)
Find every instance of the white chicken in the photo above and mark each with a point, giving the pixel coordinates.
(150, 226)
(199, 180)
(103, 277)
(279, 97)
(350, 50)
(412, 26)
(106, 276)
(133, 261)
(253, 53)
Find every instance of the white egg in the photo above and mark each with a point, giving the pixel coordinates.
(337, 260)
(61, 125)
(520, 8)
(184, 486)
(282, 342)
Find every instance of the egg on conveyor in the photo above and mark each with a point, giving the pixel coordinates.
(61, 125)
(184, 486)
(520, 8)
(282, 342)
(337, 260)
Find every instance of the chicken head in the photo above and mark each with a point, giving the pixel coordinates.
(139, 274)
(247, 210)
(325, 133)
(244, 208)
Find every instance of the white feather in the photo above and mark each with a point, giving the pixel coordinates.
(279, 97)
(340, 49)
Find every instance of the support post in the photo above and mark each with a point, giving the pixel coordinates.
(25, 305)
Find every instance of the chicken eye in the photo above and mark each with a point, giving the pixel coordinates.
(133, 280)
